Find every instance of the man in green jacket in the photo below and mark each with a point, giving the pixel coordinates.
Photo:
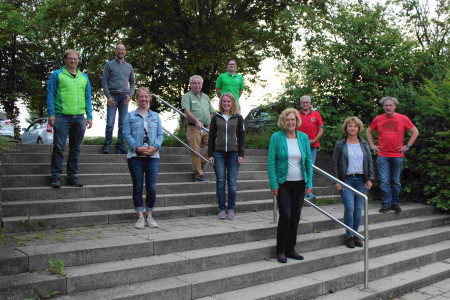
(68, 98)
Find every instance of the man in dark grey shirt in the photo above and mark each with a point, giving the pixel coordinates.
(118, 84)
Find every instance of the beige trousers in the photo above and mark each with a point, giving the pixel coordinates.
(196, 139)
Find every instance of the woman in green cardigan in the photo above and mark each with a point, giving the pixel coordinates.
(290, 175)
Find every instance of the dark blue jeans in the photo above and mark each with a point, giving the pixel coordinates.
(313, 158)
(353, 204)
(226, 168)
(74, 127)
(140, 166)
(389, 169)
(110, 119)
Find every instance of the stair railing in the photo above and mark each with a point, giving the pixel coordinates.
(174, 136)
(364, 237)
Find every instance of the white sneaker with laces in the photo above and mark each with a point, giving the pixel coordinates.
(140, 223)
(151, 222)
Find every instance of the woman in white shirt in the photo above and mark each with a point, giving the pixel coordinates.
(352, 164)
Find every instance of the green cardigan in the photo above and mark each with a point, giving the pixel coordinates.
(277, 164)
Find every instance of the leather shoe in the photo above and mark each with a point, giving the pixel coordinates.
(281, 258)
(56, 183)
(294, 255)
(74, 182)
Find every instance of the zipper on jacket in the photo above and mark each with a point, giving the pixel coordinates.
(226, 134)
(76, 93)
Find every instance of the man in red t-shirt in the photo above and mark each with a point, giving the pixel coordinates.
(391, 128)
(312, 126)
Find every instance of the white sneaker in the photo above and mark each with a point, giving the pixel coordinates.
(140, 223)
(151, 222)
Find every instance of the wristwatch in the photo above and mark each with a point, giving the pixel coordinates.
(408, 145)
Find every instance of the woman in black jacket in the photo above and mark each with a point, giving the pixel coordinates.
(352, 164)
(226, 150)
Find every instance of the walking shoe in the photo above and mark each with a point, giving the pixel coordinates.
(105, 151)
(121, 151)
(396, 208)
(294, 255)
(56, 183)
(384, 209)
(201, 178)
(350, 242)
(74, 182)
(357, 241)
(222, 214)
(311, 196)
(150, 222)
(231, 214)
(140, 223)
(281, 258)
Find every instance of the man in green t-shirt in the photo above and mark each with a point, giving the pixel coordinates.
(230, 82)
(197, 107)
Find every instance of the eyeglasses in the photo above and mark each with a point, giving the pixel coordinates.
(72, 58)
(304, 102)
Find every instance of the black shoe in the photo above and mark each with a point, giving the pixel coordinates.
(56, 183)
(281, 258)
(396, 208)
(121, 151)
(349, 242)
(105, 151)
(295, 255)
(357, 242)
(74, 182)
(384, 209)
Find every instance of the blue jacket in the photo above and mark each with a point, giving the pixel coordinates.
(133, 130)
(277, 164)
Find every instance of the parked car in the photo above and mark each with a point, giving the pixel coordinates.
(39, 132)
(260, 117)
(6, 126)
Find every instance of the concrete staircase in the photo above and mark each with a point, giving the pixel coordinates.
(193, 255)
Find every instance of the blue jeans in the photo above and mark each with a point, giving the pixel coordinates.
(389, 170)
(313, 158)
(74, 127)
(226, 168)
(110, 119)
(353, 204)
(139, 166)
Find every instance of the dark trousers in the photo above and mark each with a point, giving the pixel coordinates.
(74, 128)
(290, 201)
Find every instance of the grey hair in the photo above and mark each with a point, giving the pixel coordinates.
(384, 99)
(195, 77)
(306, 97)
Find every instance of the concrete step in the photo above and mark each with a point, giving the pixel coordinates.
(316, 232)
(44, 180)
(99, 168)
(317, 283)
(324, 270)
(398, 284)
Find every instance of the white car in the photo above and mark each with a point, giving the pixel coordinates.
(39, 132)
(6, 126)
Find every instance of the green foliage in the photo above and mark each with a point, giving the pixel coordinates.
(57, 268)
(41, 295)
(27, 223)
(260, 140)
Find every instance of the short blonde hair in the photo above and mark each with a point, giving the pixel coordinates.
(71, 51)
(357, 121)
(282, 119)
(136, 94)
(234, 107)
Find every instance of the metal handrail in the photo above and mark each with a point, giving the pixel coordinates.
(174, 136)
(365, 238)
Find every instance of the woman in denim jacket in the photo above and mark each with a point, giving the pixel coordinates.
(352, 164)
(144, 135)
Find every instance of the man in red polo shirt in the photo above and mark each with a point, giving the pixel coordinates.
(312, 125)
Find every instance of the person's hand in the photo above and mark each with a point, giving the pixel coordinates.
(275, 192)
(89, 124)
(127, 100)
(198, 124)
(311, 142)
(368, 185)
(143, 150)
(308, 191)
(152, 149)
(111, 102)
(375, 148)
(403, 149)
(51, 121)
(240, 159)
(338, 186)
(211, 160)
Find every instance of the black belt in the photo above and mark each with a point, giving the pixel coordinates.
(356, 175)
